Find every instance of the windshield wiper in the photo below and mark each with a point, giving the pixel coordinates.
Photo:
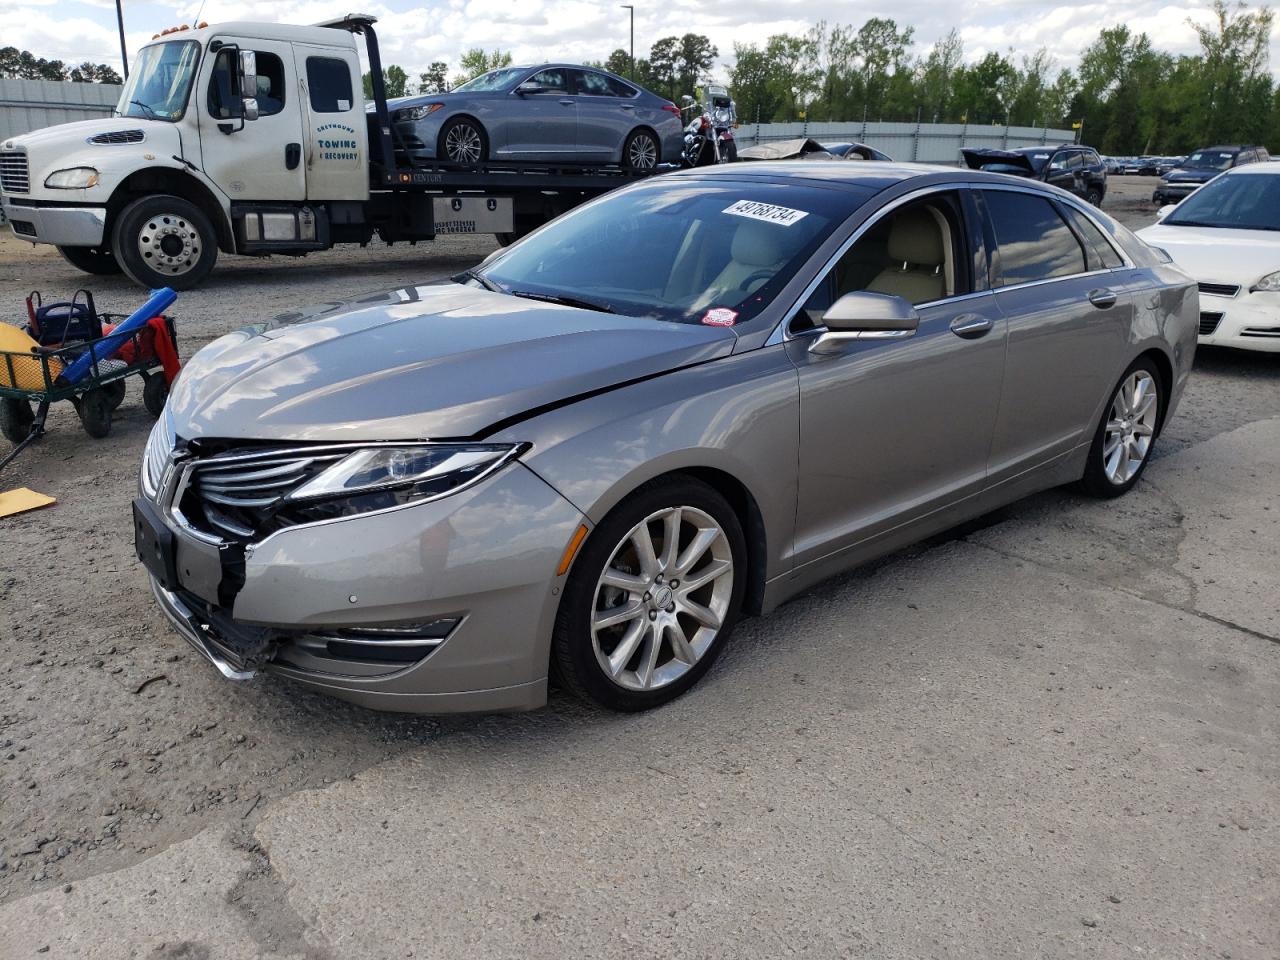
(481, 279)
(563, 300)
(151, 114)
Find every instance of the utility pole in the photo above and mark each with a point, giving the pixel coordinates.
(124, 54)
(625, 6)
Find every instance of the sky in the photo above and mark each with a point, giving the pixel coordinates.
(413, 33)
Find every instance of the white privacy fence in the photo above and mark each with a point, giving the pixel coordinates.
(919, 142)
(27, 105)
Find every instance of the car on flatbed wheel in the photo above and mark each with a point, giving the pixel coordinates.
(682, 402)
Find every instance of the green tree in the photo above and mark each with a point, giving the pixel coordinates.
(757, 88)
(477, 61)
(435, 79)
(394, 80)
(938, 76)
(619, 62)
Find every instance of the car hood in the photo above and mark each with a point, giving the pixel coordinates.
(448, 99)
(1210, 254)
(1191, 175)
(980, 158)
(420, 363)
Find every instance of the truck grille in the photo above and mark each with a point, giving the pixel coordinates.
(1209, 323)
(14, 177)
(237, 496)
(119, 136)
(1219, 289)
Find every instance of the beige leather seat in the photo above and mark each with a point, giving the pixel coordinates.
(916, 250)
(756, 254)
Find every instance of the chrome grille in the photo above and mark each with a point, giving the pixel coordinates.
(235, 495)
(1219, 289)
(1209, 323)
(14, 177)
(119, 136)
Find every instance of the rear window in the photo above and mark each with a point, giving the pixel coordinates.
(329, 84)
(1033, 241)
(594, 84)
(1102, 255)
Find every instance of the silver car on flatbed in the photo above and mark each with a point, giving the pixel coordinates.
(687, 400)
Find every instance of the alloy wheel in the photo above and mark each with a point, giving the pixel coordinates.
(169, 244)
(662, 598)
(643, 153)
(462, 144)
(1130, 427)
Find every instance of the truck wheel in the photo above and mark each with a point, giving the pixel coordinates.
(154, 394)
(463, 141)
(165, 241)
(94, 407)
(16, 419)
(95, 260)
(641, 151)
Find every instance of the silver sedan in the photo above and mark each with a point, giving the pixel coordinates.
(683, 402)
(554, 112)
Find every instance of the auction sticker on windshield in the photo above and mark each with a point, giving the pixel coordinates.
(720, 317)
(767, 212)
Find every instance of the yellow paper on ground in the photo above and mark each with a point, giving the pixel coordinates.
(22, 500)
(28, 370)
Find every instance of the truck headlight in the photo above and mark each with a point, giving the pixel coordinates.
(417, 113)
(73, 178)
(379, 477)
(1268, 284)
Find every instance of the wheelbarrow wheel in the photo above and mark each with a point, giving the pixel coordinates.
(95, 412)
(115, 393)
(16, 419)
(155, 391)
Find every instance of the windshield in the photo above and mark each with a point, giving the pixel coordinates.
(161, 79)
(1210, 160)
(491, 81)
(692, 251)
(1237, 202)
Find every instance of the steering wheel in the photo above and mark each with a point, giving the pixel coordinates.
(763, 275)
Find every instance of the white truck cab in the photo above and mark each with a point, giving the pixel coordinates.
(254, 139)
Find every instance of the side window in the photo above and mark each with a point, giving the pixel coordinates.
(592, 84)
(554, 79)
(916, 252)
(1102, 255)
(1075, 160)
(1033, 241)
(329, 85)
(222, 92)
(1263, 156)
(619, 89)
(1092, 158)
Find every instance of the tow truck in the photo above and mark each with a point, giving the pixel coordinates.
(255, 139)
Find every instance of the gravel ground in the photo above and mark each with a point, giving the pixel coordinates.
(117, 744)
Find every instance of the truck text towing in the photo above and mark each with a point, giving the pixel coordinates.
(254, 139)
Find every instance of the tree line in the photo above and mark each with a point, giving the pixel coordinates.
(18, 64)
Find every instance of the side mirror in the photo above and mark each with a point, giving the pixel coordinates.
(248, 74)
(863, 315)
(530, 86)
(686, 99)
(1165, 211)
(249, 108)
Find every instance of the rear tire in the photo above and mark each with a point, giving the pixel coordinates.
(674, 631)
(16, 419)
(165, 241)
(96, 260)
(641, 151)
(1094, 196)
(1127, 432)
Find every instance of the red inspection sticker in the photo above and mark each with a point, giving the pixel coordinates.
(720, 317)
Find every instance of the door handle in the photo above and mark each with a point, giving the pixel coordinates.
(292, 155)
(567, 103)
(627, 106)
(971, 326)
(1103, 298)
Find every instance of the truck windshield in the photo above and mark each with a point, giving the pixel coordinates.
(161, 79)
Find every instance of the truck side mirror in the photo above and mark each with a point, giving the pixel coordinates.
(248, 75)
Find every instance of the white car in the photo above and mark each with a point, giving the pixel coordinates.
(1227, 236)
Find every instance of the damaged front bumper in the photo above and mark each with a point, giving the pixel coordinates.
(236, 657)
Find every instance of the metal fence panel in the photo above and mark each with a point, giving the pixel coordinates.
(920, 142)
(27, 105)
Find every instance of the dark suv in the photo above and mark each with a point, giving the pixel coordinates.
(1071, 167)
(1201, 167)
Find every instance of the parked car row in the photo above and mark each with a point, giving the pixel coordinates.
(1202, 166)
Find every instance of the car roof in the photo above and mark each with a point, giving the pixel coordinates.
(1268, 167)
(856, 176)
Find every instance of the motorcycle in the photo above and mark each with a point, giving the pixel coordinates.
(708, 137)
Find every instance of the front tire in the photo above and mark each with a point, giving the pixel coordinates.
(165, 241)
(1122, 444)
(1094, 196)
(16, 419)
(641, 152)
(652, 598)
(464, 142)
(95, 260)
